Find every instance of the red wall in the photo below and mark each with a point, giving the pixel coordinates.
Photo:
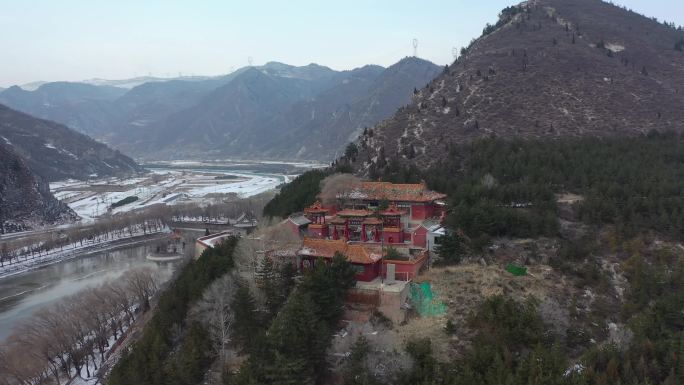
(422, 210)
(370, 272)
(397, 237)
(318, 231)
(420, 236)
(405, 269)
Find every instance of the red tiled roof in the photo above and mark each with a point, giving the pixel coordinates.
(326, 248)
(412, 192)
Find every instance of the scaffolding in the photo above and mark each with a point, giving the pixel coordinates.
(424, 301)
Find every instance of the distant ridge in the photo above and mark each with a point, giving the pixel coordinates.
(273, 111)
(55, 152)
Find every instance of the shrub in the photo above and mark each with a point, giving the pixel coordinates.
(125, 201)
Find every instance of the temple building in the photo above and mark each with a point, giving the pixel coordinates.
(382, 228)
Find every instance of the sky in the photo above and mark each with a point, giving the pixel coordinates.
(71, 40)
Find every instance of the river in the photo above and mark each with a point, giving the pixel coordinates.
(22, 295)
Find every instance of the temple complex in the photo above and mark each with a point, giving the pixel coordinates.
(385, 230)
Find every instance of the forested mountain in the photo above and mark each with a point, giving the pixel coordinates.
(25, 198)
(547, 69)
(56, 152)
(270, 111)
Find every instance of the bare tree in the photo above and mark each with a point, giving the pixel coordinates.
(142, 283)
(63, 338)
(214, 311)
(122, 297)
(338, 186)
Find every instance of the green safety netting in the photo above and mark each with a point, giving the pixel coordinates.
(516, 270)
(424, 301)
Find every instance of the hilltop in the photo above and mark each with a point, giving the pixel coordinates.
(546, 69)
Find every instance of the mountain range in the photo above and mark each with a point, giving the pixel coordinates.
(55, 152)
(546, 69)
(34, 152)
(270, 111)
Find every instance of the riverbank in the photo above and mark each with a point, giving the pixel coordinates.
(24, 266)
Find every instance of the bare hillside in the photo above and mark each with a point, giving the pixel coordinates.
(548, 68)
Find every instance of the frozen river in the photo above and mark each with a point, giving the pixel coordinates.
(23, 294)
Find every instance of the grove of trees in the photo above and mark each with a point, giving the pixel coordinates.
(70, 337)
(175, 348)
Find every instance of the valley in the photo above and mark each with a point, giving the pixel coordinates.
(509, 213)
(172, 183)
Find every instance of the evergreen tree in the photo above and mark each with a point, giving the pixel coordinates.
(269, 283)
(300, 337)
(357, 371)
(246, 317)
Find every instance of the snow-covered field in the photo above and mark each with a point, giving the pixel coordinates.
(94, 198)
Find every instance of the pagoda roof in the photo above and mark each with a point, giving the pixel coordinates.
(337, 221)
(353, 213)
(392, 210)
(408, 192)
(299, 220)
(372, 221)
(316, 208)
(326, 248)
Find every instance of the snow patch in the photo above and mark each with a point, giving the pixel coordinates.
(614, 47)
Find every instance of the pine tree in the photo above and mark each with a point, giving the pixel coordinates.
(286, 281)
(287, 370)
(300, 335)
(269, 284)
(246, 322)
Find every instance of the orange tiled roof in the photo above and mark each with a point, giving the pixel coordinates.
(327, 248)
(362, 254)
(322, 247)
(410, 192)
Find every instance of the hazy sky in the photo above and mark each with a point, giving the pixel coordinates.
(81, 39)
